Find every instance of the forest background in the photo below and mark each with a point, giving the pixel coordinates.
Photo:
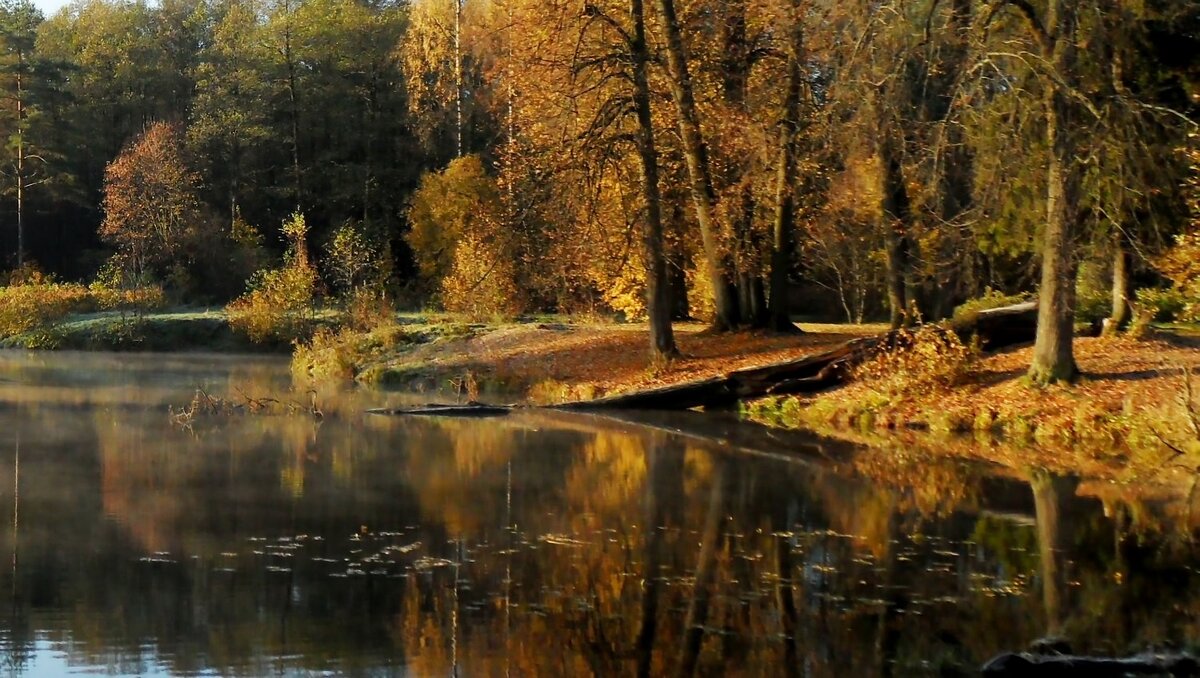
(739, 161)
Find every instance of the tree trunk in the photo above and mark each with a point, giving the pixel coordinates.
(293, 100)
(1054, 351)
(20, 163)
(896, 215)
(458, 80)
(1121, 286)
(658, 286)
(696, 154)
(785, 200)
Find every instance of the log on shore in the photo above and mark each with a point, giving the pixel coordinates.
(1025, 665)
(995, 328)
(476, 410)
(1002, 327)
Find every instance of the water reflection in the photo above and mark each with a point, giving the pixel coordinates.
(540, 544)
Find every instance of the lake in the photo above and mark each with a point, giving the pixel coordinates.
(537, 544)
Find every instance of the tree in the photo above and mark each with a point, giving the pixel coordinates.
(436, 70)
(1054, 33)
(150, 202)
(19, 20)
(229, 116)
(658, 288)
(785, 202)
(695, 151)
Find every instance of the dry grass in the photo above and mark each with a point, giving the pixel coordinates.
(1108, 425)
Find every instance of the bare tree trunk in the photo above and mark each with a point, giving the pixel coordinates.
(895, 214)
(1054, 351)
(20, 163)
(458, 79)
(1122, 284)
(293, 100)
(696, 154)
(785, 197)
(658, 286)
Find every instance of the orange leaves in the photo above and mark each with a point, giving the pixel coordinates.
(149, 198)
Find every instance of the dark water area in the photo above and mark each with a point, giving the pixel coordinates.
(537, 544)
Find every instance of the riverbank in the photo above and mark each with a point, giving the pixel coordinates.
(1125, 420)
(167, 331)
(553, 361)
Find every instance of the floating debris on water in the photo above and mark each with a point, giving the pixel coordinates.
(427, 563)
(560, 540)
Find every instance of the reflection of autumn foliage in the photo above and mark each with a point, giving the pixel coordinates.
(611, 475)
(448, 466)
(135, 474)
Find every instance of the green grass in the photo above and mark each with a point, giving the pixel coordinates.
(172, 331)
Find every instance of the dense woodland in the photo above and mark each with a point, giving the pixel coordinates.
(739, 161)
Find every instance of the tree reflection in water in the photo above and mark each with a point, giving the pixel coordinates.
(561, 545)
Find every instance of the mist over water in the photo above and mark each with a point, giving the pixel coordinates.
(532, 545)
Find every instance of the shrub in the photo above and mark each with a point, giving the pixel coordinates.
(1161, 305)
(1092, 306)
(368, 310)
(340, 356)
(27, 308)
(481, 282)
(39, 302)
(279, 304)
(929, 358)
(991, 299)
(1181, 264)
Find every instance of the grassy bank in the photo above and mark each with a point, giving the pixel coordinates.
(1125, 419)
(543, 360)
(168, 331)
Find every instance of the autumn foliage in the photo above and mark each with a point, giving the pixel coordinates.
(279, 304)
(150, 201)
(1181, 263)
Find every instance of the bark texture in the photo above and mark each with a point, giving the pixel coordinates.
(695, 152)
(1054, 351)
(658, 285)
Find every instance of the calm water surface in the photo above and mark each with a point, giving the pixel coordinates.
(534, 545)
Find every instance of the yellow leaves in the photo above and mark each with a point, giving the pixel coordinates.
(481, 282)
(928, 359)
(280, 301)
(448, 205)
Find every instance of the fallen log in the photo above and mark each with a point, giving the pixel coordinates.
(998, 328)
(477, 410)
(1025, 665)
(995, 329)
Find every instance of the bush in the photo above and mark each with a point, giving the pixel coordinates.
(481, 283)
(1092, 307)
(368, 310)
(26, 308)
(339, 356)
(279, 305)
(929, 358)
(1161, 305)
(1181, 264)
(37, 306)
(991, 299)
